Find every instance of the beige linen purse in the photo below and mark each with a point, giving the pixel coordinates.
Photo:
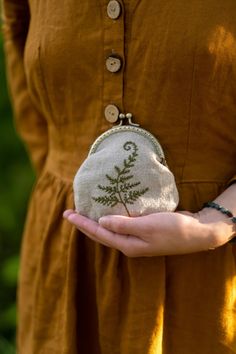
(125, 173)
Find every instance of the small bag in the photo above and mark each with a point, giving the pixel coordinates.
(125, 173)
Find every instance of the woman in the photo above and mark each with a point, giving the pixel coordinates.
(174, 69)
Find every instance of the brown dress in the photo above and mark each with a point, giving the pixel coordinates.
(177, 76)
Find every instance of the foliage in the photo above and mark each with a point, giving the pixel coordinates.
(120, 190)
(16, 178)
(6, 347)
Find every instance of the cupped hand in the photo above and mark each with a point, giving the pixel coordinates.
(164, 233)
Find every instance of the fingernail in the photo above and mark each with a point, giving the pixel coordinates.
(103, 220)
(68, 213)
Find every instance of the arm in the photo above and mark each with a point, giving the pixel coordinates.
(30, 123)
(163, 233)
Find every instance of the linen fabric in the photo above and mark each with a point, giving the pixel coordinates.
(178, 79)
(124, 176)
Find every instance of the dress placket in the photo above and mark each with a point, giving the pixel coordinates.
(114, 60)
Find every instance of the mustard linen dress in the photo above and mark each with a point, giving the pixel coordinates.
(178, 79)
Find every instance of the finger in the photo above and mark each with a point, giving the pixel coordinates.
(124, 225)
(84, 224)
(68, 212)
(93, 238)
(132, 247)
(86, 228)
(124, 243)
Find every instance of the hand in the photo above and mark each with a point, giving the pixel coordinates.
(165, 233)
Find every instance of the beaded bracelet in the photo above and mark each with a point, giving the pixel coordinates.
(224, 211)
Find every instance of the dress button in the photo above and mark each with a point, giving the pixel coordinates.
(113, 9)
(113, 64)
(111, 113)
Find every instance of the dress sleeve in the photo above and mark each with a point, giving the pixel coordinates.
(231, 181)
(30, 123)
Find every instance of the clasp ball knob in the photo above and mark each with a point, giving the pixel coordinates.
(122, 116)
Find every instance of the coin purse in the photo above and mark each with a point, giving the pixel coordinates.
(125, 173)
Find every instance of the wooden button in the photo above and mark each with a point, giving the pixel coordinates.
(113, 64)
(111, 113)
(113, 9)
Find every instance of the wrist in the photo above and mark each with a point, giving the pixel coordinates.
(210, 215)
(220, 228)
(221, 232)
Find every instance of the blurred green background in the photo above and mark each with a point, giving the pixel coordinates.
(16, 179)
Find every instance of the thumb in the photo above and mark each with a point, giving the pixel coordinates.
(120, 224)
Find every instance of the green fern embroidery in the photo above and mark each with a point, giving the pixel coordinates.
(120, 190)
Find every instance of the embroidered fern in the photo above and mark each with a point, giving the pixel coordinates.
(120, 191)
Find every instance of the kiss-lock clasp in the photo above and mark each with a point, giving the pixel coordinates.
(128, 116)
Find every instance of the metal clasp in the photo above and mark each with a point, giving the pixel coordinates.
(128, 116)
